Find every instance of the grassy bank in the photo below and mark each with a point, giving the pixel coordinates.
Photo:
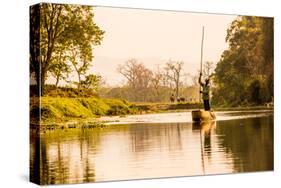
(63, 109)
(58, 109)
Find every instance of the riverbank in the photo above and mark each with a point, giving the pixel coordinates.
(60, 112)
(60, 109)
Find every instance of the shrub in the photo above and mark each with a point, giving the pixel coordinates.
(117, 107)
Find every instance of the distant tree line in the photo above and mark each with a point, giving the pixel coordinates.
(244, 74)
(145, 85)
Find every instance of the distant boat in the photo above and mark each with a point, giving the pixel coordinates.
(203, 116)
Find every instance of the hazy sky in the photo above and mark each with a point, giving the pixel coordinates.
(154, 37)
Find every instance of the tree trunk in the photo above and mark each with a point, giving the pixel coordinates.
(57, 81)
(35, 45)
(37, 78)
(177, 90)
(79, 81)
(42, 81)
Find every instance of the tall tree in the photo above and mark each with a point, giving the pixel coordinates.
(173, 73)
(59, 68)
(60, 25)
(156, 81)
(138, 78)
(34, 45)
(244, 73)
(81, 61)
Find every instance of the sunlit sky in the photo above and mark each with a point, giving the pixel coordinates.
(153, 37)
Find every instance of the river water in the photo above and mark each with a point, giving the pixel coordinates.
(154, 146)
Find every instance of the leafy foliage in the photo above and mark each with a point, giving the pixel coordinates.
(91, 82)
(58, 68)
(244, 74)
(63, 29)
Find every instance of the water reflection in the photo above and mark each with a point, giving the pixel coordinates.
(205, 130)
(152, 150)
(250, 142)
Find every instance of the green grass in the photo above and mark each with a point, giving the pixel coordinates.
(59, 109)
(63, 109)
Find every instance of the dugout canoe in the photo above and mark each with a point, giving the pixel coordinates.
(203, 116)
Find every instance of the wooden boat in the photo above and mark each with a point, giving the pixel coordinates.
(203, 116)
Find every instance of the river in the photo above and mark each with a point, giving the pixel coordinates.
(154, 146)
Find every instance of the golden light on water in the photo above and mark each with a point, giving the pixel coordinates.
(140, 151)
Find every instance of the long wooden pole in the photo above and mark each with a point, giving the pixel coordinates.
(202, 43)
(201, 60)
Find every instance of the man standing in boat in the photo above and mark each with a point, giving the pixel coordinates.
(205, 92)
